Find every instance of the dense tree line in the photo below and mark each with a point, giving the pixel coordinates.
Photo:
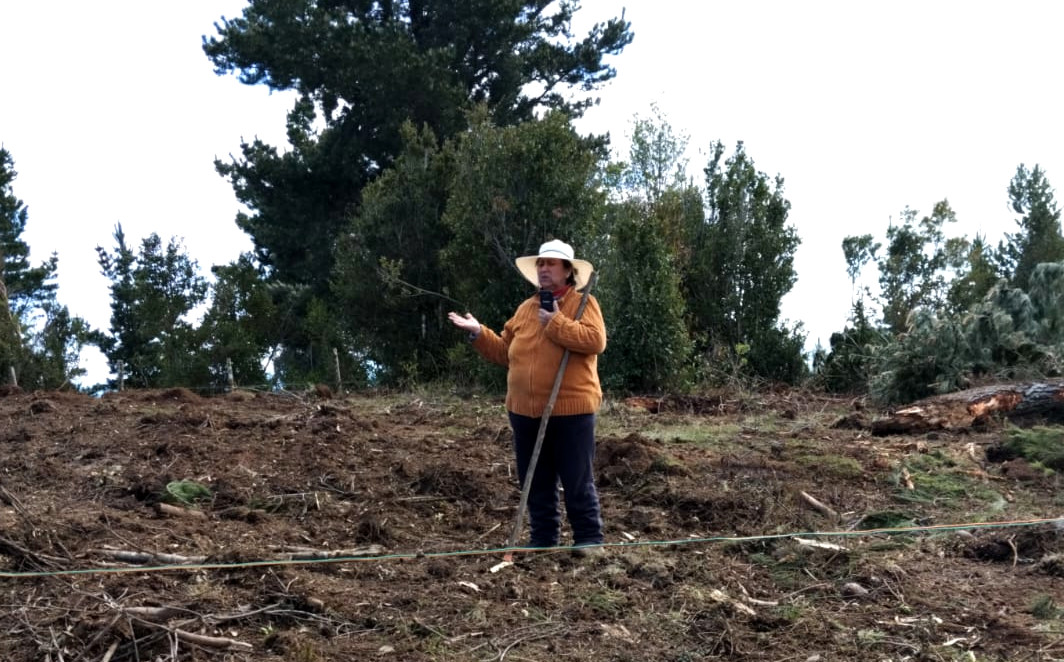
(954, 311)
(431, 143)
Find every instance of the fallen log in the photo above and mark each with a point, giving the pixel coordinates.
(1024, 403)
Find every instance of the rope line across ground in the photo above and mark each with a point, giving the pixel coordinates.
(1058, 521)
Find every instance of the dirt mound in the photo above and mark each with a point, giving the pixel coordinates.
(628, 459)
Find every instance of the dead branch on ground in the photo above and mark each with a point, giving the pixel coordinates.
(819, 506)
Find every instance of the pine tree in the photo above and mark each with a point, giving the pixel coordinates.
(152, 293)
(1039, 237)
(39, 338)
(741, 266)
(239, 323)
(361, 71)
(644, 247)
(649, 347)
(976, 274)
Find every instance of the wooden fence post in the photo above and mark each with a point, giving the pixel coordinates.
(229, 373)
(336, 363)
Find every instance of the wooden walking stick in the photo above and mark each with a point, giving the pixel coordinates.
(523, 505)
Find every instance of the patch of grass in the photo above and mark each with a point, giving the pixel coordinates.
(764, 423)
(886, 519)
(717, 434)
(478, 614)
(927, 462)
(790, 612)
(895, 542)
(995, 506)
(453, 431)
(934, 480)
(760, 558)
(1044, 608)
(691, 595)
(605, 602)
(1046, 471)
(831, 466)
(786, 573)
(1042, 444)
(306, 653)
(868, 637)
(666, 464)
(942, 485)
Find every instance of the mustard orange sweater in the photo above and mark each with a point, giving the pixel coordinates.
(532, 353)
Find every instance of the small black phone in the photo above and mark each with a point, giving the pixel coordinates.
(546, 300)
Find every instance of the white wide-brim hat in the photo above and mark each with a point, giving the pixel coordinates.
(560, 251)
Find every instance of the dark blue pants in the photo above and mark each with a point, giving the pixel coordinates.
(567, 455)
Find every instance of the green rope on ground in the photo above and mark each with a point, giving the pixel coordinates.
(504, 550)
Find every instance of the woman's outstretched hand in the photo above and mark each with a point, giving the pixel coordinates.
(467, 323)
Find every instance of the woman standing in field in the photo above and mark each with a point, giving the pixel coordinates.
(531, 347)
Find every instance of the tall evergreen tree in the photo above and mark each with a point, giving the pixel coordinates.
(743, 264)
(649, 346)
(12, 221)
(388, 280)
(237, 327)
(152, 293)
(858, 251)
(847, 367)
(656, 161)
(440, 230)
(976, 273)
(514, 188)
(362, 69)
(27, 287)
(38, 336)
(1039, 237)
(644, 253)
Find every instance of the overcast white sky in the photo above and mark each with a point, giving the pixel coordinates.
(112, 113)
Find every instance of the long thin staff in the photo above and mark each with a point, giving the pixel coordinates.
(543, 428)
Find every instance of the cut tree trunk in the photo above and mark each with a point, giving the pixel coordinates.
(1020, 403)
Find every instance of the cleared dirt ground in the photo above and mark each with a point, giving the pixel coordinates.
(166, 526)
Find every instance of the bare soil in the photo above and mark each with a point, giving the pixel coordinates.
(370, 527)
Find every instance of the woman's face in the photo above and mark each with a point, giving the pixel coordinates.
(552, 273)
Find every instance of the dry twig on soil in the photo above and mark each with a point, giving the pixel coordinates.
(35, 560)
(177, 511)
(819, 506)
(149, 557)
